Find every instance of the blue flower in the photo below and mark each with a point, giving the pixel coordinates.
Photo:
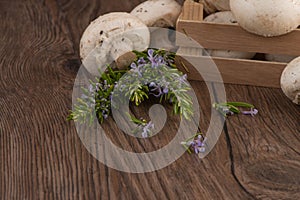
(198, 144)
(147, 129)
(91, 89)
(183, 79)
(136, 68)
(157, 89)
(155, 60)
(251, 112)
(152, 84)
(166, 90)
(98, 86)
(141, 61)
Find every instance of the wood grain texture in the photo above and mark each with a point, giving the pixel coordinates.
(233, 37)
(42, 157)
(265, 149)
(237, 71)
(191, 11)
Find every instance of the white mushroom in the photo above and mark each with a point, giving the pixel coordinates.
(279, 58)
(110, 36)
(290, 81)
(158, 13)
(161, 39)
(211, 6)
(267, 17)
(222, 5)
(226, 17)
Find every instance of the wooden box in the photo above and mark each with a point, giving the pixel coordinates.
(233, 37)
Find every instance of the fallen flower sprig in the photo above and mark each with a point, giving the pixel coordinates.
(231, 108)
(144, 128)
(196, 143)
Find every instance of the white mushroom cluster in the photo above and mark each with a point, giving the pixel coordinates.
(267, 18)
(111, 36)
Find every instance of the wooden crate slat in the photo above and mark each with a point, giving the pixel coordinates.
(192, 10)
(235, 71)
(233, 37)
(230, 37)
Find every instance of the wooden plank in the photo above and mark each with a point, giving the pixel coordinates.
(264, 152)
(233, 37)
(42, 157)
(235, 71)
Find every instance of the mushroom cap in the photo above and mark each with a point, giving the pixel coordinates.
(221, 5)
(226, 17)
(211, 6)
(290, 81)
(161, 38)
(267, 17)
(279, 58)
(118, 28)
(158, 13)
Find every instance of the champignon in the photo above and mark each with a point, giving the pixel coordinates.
(267, 17)
(158, 13)
(222, 5)
(290, 81)
(161, 38)
(279, 58)
(226, 17)
(211, 6)
(123, 61)
(112, 35)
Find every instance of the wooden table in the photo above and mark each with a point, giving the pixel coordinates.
(42, 157)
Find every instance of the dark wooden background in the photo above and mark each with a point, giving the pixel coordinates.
(42, 157)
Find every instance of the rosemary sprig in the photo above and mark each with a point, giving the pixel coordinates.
(153, 73)
(230, 108)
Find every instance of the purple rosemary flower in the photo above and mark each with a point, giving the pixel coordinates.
(201, 149)
(251, 112)
(150, 54)
(165, 90)
(183, 79)
(159, 89)
(91, 89)
(156, 60)
(156, 88)
(198, 144)
(147, 129)
(141, 61)
(136, 68)
(152, 84)
(84, 97)
(226, 110)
